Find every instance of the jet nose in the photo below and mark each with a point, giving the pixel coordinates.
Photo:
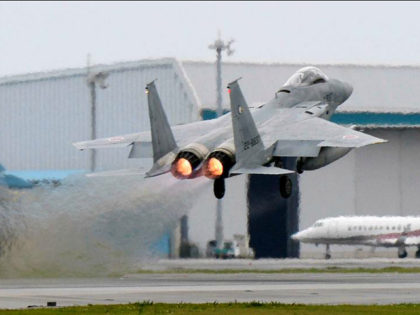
(297, 236)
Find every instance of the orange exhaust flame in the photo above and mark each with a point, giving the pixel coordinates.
(183, 167)
(214, 167)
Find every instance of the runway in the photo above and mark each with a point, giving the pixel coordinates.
(280, 264)
(308, 288)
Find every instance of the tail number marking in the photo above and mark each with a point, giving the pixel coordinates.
(251, 142)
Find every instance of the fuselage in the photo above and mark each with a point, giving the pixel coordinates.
(306, 95)
(387, 231)
(330, 93)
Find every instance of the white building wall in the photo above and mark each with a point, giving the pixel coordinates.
(42, 114)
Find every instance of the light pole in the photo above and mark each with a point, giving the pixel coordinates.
(93, 79)
(220, 46)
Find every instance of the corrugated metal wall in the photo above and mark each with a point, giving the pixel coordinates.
(42, 114)
(375, 87)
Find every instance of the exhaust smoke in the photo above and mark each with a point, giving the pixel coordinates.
(89, 226)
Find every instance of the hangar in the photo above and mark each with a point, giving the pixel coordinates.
(43, 113)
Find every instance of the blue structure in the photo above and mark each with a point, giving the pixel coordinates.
(27, 179)
(377, 119)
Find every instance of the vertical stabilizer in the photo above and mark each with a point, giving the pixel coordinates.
(163, 140)
(248, 144)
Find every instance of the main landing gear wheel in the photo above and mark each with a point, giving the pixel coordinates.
(286, 186)
(402, 253)
(219, 188)
(418, 253)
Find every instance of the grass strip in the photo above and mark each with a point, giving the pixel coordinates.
(252, 308)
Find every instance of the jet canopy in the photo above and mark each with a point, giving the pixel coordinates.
(318, 224)
(306, 76)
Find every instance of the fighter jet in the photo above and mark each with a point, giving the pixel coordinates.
(248, 140)
(390, 231)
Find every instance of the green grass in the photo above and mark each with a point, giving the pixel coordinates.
(253, 308)
(282, 271)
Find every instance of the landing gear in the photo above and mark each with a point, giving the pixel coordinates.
(286, 186)
(402, 253)
(327, 252)
(219, 188)
(418, 252)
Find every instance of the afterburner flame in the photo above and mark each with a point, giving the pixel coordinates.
(215, 167)
(183, 167)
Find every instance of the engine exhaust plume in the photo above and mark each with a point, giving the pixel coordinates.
(182, 167)
(214, 168)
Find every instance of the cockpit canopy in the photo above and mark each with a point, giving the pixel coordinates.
(306, 76)
(318, 224)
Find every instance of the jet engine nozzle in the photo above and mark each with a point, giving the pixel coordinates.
(218, 163)
(187, 162)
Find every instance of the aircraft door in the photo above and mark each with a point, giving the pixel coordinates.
(332, 229)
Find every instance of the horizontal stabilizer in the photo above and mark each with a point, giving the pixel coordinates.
(262, 170)
(124, 172)
(158, 171)
(141, 150)
(305, 148)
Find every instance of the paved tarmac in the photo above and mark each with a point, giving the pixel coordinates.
(310, 288)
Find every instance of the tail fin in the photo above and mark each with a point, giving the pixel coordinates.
(163, 140)
(248, 144)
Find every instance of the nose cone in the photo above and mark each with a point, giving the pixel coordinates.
(303, 236)
(297, 236)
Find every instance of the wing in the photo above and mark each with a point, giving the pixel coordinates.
(114, 142)
(184, 134)
(296, 133)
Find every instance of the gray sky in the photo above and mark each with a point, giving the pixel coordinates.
(45, 36)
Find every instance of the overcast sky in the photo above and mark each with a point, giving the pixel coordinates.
(54, 35)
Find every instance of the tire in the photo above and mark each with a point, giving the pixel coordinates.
(286, 186)
(219, 188)
(402, 253)
(418, 253)
(327, 256)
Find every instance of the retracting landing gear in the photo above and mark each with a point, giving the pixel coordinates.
(286, 186)
(402, 253)
(327, 252)
(219, 188)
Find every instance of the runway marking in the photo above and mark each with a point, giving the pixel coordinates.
(98, 291)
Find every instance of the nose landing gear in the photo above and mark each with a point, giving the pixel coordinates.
(327, 252)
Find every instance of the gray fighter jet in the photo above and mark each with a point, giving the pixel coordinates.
(247, 141)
